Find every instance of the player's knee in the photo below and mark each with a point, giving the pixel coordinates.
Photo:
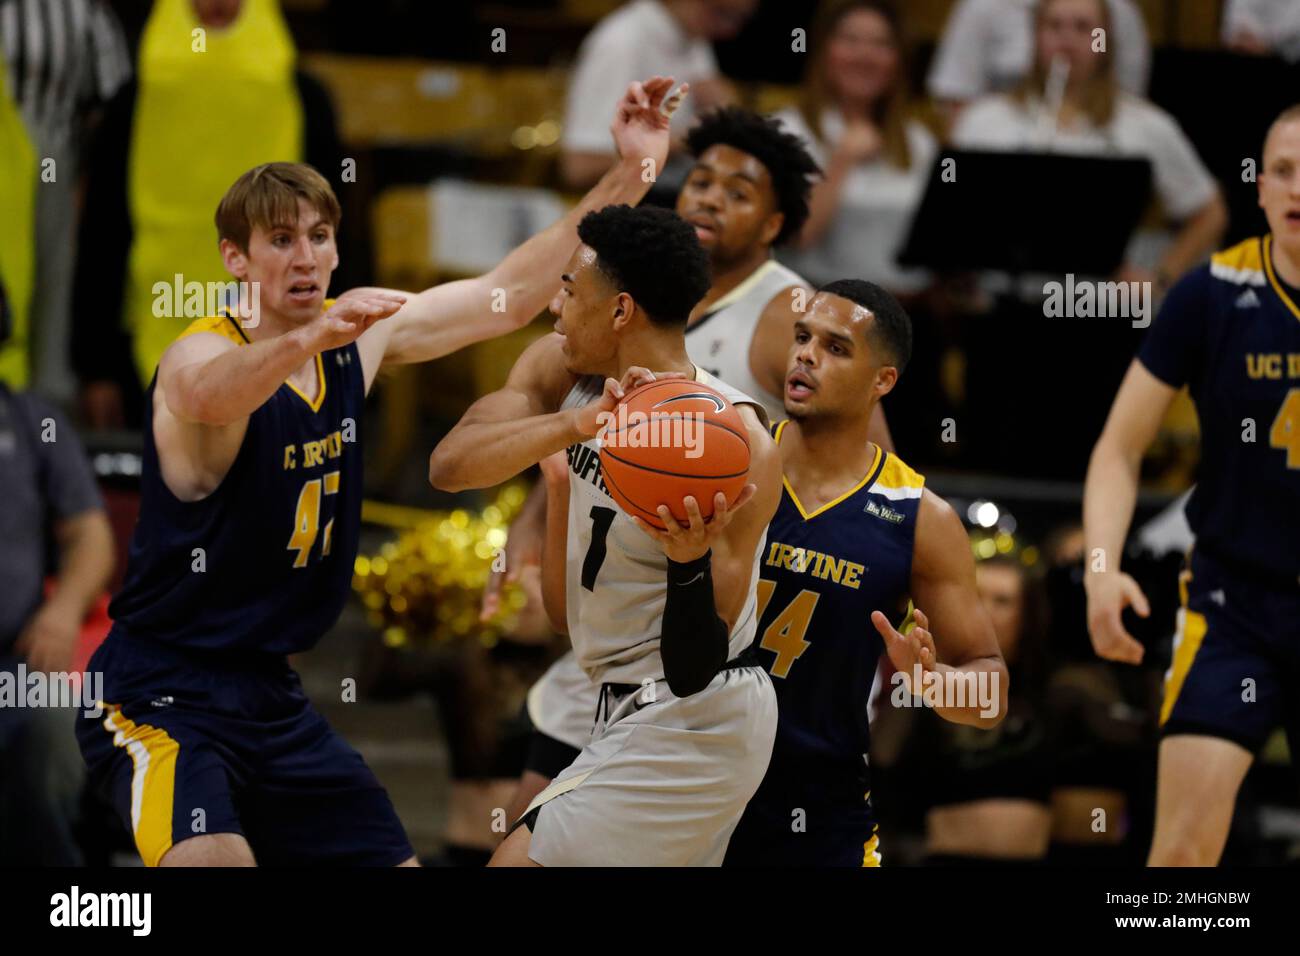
(212, 849)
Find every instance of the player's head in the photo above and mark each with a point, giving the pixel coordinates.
(636, 272)
(1279, 181)
(850, 346)
(749, 187)
(277, 227)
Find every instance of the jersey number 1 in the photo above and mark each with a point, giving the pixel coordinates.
(601, 519)
(307, 520)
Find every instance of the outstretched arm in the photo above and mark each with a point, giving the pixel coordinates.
(447, 317)
(963, 648)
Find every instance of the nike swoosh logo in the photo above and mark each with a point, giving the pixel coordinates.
(686, 584)
(706, 396)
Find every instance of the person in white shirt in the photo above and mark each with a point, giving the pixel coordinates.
(1071, 103)
(1263, 27)
(672, 36)
(854, 119)
(987, 47)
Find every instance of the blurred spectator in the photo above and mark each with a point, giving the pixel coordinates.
(62, 59)
(644, 38)
(1263, 27)
(987, 47)
(854, 118)
(18, 181)
(988, 790)
(50, 504)
(1071, 103)
(168, 148)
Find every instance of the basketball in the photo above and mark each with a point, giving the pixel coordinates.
(669, 439)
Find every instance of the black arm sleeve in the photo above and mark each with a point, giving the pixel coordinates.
(694, 639)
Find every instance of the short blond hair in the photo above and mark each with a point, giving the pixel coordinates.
(267, 196)
(1289, 115)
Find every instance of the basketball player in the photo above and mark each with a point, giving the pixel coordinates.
(1230, 331)
(856, 534)
(657, 619)
(249, 520)
(746, 195)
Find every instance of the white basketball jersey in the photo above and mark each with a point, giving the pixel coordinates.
(616, 576)
(719, 342)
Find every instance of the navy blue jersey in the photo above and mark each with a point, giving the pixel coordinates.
(1230, 331)
(821, 576)
(264, 563)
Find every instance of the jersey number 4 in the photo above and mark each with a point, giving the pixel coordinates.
(1285, 433)
(784, 637)
(307, 520)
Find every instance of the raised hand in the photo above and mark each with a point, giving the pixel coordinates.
(641, 120)
(907, 651)
(350, 316)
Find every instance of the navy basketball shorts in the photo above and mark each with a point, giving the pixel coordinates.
(190, 745)
(1236, 659)
(806, 817)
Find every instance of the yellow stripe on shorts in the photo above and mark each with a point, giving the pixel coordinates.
(153, 755)
(1187, 641)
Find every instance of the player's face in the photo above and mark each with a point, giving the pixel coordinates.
(833, 370)
(1065, 30)
(728, 198)
(862, 57)
(585, 309)
(1279, 186)
(292, 264)
(1002, 590)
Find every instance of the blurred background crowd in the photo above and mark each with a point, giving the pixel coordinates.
(451, 132)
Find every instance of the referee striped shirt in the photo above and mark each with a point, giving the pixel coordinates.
(60, 57)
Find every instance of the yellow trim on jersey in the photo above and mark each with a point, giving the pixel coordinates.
(222, 325)
(871, 849)
(1241, 264)
(228, 327)
(153, 755)
(1187, 641)
(897, 475)
(830, 504)
(1273, 280)
(320, 392)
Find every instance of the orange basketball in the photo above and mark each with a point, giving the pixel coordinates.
(669, 439)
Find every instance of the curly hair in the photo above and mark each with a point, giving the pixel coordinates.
(652, 255)
(784, 156)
